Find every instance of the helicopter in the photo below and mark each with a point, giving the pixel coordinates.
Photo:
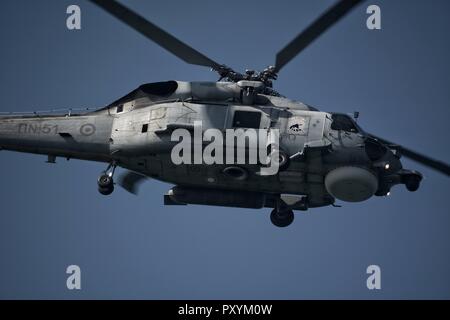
(320, 156)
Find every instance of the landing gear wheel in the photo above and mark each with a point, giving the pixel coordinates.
(105, 184)
(281, 219)
(105, 181)
(106, 190)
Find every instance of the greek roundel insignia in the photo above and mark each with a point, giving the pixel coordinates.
(87, 129)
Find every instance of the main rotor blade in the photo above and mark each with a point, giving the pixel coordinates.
(427, 161)
(314, 31)
(131, 181)
(156, 34)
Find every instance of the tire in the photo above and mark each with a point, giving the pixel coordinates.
(105, 181)
(106, 190)
(282, 219)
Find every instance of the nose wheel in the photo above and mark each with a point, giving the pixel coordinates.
(105, 181)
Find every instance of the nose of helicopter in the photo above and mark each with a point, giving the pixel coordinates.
(391, 172)
(392, 162)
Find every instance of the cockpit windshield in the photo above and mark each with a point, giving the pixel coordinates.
(343, 122)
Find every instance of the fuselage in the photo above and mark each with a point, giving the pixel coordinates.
(136, 133)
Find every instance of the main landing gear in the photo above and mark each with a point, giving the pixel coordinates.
(282, 215)
(105, 181)
(282, 218)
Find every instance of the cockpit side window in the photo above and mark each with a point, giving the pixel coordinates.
(343, 122)
(247, 119)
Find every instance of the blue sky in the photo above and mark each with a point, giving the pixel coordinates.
(133, 247)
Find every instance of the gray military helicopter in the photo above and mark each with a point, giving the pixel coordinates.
(322, 156)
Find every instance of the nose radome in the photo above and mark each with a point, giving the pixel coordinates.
(351, 184)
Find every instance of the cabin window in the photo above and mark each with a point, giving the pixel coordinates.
(119, 108)
(247, 119)
(343, 122)
(144, 128)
